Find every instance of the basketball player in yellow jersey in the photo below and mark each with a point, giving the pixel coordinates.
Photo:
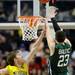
(16, 64)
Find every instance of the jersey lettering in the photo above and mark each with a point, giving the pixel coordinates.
(63, 60)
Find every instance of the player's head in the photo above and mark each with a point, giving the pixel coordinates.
(14, 58)
(60, 36)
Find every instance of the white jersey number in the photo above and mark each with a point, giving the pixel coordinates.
(63, 60)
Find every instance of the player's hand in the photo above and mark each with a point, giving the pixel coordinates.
(52, 11)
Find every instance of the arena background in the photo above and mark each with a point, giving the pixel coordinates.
(10, 34)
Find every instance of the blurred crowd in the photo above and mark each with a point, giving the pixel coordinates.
(11, 39)
(8, 10)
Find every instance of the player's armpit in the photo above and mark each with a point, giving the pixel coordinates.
(51, 47)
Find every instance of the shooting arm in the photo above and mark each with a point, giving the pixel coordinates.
(50, 40)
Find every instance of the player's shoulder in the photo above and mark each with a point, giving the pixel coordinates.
(57, 44)
(9, 67)
(25, 65)
(67, 41)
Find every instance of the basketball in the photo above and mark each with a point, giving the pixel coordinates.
(44, 1)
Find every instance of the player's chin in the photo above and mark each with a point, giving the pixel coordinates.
(22, 61)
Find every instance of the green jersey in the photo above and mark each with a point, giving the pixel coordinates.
(60, 58)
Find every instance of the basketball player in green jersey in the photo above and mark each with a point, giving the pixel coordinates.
(60, 47)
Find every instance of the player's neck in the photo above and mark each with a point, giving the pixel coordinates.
(18, 65)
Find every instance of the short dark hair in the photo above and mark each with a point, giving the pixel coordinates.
(10, 58)
(60, 36)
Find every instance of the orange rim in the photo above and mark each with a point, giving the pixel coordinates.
(30, 21)
(25, 17)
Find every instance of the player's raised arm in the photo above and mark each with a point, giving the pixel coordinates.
(34, 46)
(52, 14)
(50, 40)
(56, 27)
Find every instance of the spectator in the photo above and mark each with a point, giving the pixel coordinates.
(72, 63)
(23, 50)
(42, 11)
(4, 44)
(25, 9)
(64, 16)
(12, 17)
(2, 14)
(73, 14)
(2, 62)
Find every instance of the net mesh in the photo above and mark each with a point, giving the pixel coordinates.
(29, 26)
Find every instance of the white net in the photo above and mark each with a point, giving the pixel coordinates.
(29, 27)
(29, 33)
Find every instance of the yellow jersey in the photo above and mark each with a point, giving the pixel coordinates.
(13, 70)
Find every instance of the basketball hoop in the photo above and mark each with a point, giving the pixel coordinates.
(29, 26)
